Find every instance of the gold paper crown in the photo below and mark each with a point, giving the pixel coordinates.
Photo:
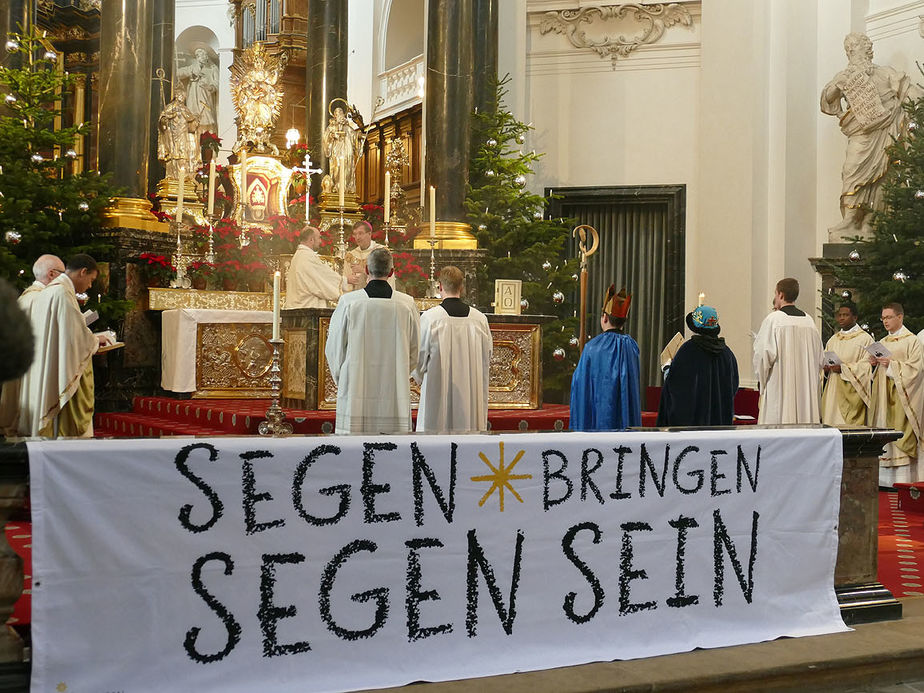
(615, 304)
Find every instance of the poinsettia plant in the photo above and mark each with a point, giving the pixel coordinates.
(210, 141)
(156, 269)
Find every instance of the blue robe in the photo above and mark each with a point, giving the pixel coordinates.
(605, 385)
(700, 387)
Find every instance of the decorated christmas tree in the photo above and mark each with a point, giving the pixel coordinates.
(889, 266)
(45, 206)
(510, 223)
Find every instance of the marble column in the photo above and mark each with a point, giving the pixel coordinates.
(126, 32)
(449, 103)
(326, 72)
(485, 53)
(15, 16)
(161, 57)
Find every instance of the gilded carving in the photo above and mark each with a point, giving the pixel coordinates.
(649, 22)
(233, 360)
(293, 384)
(175, 299)
(257, 95)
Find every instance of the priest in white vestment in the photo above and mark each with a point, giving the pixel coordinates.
(57, 393)
(846, 395)
(897, 397)
(46, 268)
(371, 351)
(311, 282)
(354, 263)
(455, 362)
(788, 361)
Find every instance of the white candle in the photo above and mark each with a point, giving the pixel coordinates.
(276, 280)
(342, 182)
(387, 196)
(243, 177)
(211, 187)
(432, 211)
(702, 298)
(179, 196)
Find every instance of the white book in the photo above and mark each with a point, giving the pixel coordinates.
(831, 359)
(90, 317)
(879, 350)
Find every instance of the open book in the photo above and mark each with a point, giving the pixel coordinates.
(89, 317)
(879, 350)
(668, 353)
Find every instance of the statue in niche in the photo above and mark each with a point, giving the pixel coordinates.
(867, 100)
(201, 79)
(177, 138)
(343, 142)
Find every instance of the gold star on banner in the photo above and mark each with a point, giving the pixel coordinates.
(501, 477)
(61, 687)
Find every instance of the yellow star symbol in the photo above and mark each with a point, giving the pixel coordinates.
(501, 477)
(61, 687)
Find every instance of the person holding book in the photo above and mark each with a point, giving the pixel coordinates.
(845, 398)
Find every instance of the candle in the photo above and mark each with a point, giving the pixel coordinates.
(180, 195)
(387, 196)
(211, 187)
(276, 280)
(432, 211)
(342, 183)
(702, 298)
(243, 177)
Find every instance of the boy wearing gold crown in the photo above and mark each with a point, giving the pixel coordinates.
(605, 385)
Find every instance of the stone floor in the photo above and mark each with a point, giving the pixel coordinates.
(885, 657)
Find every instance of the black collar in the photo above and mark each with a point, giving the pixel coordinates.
(456, 307)
(792, 310)
(378, 288)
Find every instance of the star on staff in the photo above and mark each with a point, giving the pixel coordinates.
(501, 477)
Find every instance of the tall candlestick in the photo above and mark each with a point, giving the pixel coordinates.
(211, 187)
(387, 196)
(180, 195)
(276, 280)
(342, 183)
(702, 299)
(432, 211)
(243, 178)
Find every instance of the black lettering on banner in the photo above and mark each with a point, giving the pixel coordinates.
(369, 490)
(697, 474)
(251, 497)
(618, 493)
(714, 475)
(420, 470)
(626, 573)
(415, 596)
(379, 594)
(568, 549)
(478, 563)
(226, 617)
(681, 599)
(298, 483)
(644, 463)
(720, 539)
(186, 510)
(586, 472)
(743, 464)
(547, 475)
(270, 614)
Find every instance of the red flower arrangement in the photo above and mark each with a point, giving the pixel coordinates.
(155, 269)
(209, 140)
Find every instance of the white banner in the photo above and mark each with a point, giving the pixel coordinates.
(338, 563)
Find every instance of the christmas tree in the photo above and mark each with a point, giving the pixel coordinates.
(510, 223)
(889, 266)
(45, 207)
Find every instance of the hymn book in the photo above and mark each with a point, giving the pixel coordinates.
(668, 353)
(831, 359)
(879, 350)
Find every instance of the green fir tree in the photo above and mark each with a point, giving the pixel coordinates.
(44, 206)
(890, 266)
(510, 223)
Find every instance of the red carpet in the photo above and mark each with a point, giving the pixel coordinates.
(19, 536)
(901, 548)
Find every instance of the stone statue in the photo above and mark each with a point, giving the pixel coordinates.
(257, 95)
(201, 79)
(867, 99)
(343, 145)
(177, 141)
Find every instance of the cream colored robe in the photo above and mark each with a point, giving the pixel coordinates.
(371, 352)
(64, 348)
(453, 370)
(846, 396)
(898, 397)
(787, 360)
(358, 256)
(9, 397)
(310, 282)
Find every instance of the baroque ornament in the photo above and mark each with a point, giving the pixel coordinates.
(257, 95)
(652, 22)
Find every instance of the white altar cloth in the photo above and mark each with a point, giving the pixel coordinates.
(178, 341)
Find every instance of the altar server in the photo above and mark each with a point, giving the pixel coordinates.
(310, 282)
(788, 361)
(57, 394)
(699, 389)
(354, 264)
(371, 350)
(605, 385)
(845, 398)
(454, 362)
(897, 397)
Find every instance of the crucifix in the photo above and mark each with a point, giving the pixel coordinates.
(308, 173)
